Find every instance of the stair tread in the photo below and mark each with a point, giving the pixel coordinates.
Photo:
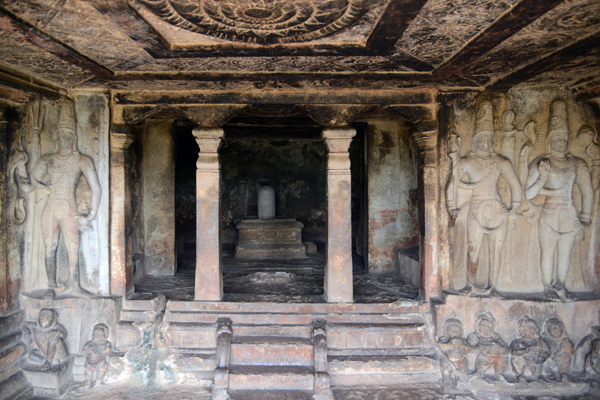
(270, 370)
(270, 340)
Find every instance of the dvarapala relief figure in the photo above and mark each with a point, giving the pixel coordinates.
(553, 176)
(55, 176)
(530, 351)
(45, 340)
(96, 352)
(480, 213)
(492, 351)
(558, 364)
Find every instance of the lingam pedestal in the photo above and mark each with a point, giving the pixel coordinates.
(267, 236)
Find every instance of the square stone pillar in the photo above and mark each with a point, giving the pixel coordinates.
(121, 262)
(158, 175)
(426, 137)
(209, 276)
(338, 259)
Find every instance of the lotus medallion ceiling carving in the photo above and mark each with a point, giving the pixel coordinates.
(262, 22)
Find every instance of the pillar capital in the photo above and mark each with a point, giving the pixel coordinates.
(426, 137)
(209, 141)
(120, 141)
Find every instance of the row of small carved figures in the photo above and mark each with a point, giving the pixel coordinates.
(548, 356)
(47, 348)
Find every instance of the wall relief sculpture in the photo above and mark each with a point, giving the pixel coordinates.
(522, 206)
(483, 360)
(474, 202)
(96, 353)
(529, 352)
(57, 196)
(45, 341)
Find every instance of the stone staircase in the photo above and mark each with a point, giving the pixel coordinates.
(296, 351)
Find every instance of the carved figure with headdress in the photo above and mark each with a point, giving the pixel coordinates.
(480, 214)
(553, 175)
(55, 176)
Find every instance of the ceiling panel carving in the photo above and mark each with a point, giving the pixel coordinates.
(261, 22)
(281, 44)
(559, 27)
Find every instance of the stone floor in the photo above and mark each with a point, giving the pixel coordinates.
(188, 392)
(279, 281)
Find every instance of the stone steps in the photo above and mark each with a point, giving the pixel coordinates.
(294, 348)
(271, 378)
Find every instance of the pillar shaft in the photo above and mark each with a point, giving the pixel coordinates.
(426, 137)
(121, 263)
(209, 277)
(338, 267)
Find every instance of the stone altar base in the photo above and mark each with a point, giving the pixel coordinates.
(276, 238)
(50, 383)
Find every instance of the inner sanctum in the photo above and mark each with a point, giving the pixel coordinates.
(281, 149)
(294, 200)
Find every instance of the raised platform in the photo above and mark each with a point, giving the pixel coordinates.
(265, 239)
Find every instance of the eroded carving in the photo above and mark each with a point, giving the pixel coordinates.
(492, 351)
(96, 353)
(530, 351)
(45, 340)
(473, 200)
(456, 348)
(558, 364)
(553, 176)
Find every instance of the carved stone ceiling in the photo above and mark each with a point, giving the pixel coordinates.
(187, 44)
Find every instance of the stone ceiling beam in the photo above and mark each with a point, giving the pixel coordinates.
(413, 113)
(266, 96)
(394, 21)
(206, 115)
(16, 27)
(336, 115)
(549, 62)
(512, 21)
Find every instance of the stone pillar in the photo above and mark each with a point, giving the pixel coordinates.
(4, 179)
(426, 137)
(121, 263)
(338, 261)
(158, 175)
(209, 277)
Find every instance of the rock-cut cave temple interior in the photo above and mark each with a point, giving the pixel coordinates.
(300, 199)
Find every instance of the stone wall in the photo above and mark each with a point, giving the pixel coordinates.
(392, 184)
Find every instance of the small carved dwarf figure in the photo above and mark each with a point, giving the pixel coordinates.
(528, 353)
(456, 348)
(45, 340)
(553, 176)
(96, 352)
(592, 362)
(454, 345)
(492, 351)
(484, 215)
(583, 349)
(561, 348)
